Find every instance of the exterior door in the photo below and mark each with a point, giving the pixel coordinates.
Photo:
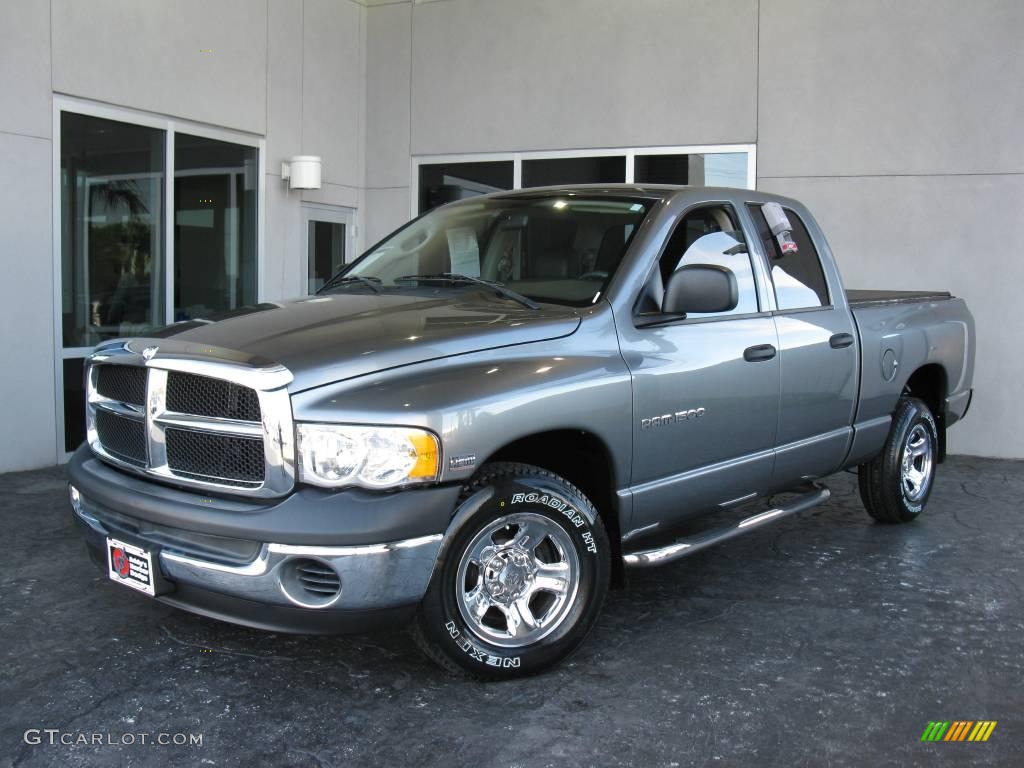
(705, 388)
(329, 237)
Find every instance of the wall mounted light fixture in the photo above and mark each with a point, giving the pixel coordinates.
(302, 172)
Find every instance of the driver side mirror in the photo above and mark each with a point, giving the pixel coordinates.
(700, 288)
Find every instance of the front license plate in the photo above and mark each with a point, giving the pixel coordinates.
(130, 565)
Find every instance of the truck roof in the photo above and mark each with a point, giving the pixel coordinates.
(645, 191)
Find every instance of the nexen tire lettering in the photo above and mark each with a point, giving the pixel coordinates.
(478, 654)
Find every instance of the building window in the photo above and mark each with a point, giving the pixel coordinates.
(550, 171)
(698, 169)
(119, 182)
(442, 183)
(441, 179)
(112, 237)
(214, 226)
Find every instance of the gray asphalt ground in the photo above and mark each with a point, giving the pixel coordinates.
(826, 640)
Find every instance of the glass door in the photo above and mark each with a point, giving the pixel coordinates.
(330, 237)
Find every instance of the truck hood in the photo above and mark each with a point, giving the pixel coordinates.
(323, 339)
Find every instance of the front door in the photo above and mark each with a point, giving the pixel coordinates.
(705, 388)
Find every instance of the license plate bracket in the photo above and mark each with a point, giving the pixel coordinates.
(135, 566)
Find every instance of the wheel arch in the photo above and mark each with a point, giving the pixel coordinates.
(930, 384)
(585, 460)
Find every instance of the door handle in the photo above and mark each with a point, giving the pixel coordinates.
(841, 340)
(758, 353)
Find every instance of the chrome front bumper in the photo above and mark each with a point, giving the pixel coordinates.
(372, 577)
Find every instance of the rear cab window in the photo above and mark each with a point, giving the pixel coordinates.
(797, 276)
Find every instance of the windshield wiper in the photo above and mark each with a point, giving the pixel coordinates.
(373, 283)
(455, 277)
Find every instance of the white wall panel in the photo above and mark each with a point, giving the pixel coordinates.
(490, 75)
(26, 295)
(332, 88)
(879, 87)
(25, 67)
(203, 60)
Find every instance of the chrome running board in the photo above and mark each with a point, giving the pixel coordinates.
(648, 558)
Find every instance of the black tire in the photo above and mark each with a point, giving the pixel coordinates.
(888, 495)
(507, 492)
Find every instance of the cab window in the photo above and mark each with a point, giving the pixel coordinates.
(707, 235)
(797, 276)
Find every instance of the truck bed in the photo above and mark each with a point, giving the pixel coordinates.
(868, 298)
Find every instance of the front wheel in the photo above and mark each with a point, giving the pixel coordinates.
(522, 580)
(896, 484)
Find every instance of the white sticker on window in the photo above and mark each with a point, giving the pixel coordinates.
(464, 251)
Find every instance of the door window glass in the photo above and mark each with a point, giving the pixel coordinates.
(214, 226)
(797, 276)
(325, 251)
(707, 235)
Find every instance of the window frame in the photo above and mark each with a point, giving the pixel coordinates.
(765, 304)
(170, 126)
(766, 259)
(630, 154)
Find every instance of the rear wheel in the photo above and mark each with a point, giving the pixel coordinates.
(896, 484)
(522, 580)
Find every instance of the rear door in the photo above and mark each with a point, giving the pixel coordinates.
(818, 349)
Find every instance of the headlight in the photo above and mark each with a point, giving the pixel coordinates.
(333, 455)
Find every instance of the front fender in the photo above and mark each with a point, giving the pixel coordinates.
(479, 402)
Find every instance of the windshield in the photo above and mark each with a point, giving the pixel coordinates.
(562, 249)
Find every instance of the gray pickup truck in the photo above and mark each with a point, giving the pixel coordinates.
(481, 424)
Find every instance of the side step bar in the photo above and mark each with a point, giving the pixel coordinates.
(648, 558)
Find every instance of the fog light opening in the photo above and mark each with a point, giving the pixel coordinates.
(309, 582)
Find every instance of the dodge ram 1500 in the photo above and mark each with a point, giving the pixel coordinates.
(483, 422)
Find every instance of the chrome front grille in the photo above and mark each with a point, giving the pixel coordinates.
(205, 396)
(122, 436)
(204, 423)
(223, 459)
(123, 383)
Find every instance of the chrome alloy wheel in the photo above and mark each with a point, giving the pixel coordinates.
(917, 463)
(517, 580)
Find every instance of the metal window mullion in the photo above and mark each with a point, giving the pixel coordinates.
(156, 405)
(169, 224)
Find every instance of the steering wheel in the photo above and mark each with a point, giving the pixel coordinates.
(595, 275)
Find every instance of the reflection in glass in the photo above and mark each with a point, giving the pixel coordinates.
(74, 403)
(215, 210)
(442, 183)
(720, 169)
(574, 170)
(111, 229)
(326, 252)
